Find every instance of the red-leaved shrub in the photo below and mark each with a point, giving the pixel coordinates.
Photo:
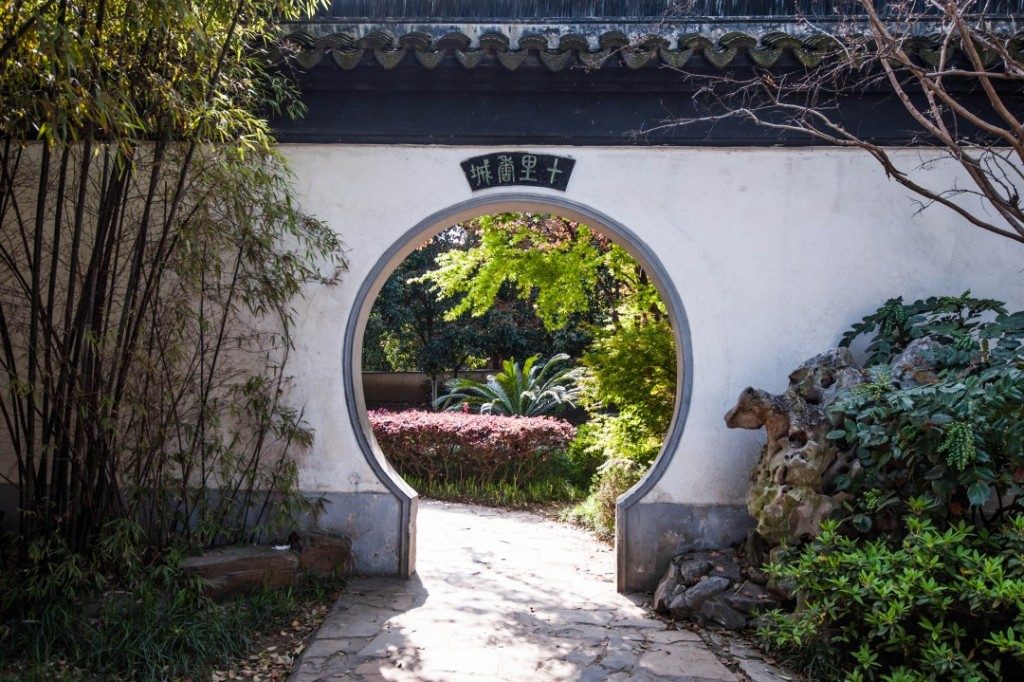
(456, 446)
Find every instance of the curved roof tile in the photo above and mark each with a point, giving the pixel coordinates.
(556, 53)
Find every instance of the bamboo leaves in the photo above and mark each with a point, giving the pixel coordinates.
(149, 255)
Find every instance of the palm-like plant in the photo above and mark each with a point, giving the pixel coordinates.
(533, 389)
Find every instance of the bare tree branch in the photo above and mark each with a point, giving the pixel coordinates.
(961, 95)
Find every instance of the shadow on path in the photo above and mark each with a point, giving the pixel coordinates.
(501, 595)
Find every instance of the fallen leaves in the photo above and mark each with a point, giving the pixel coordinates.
(276, 652)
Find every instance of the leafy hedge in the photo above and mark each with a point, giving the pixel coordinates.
(456, 446)
(919, 575)
(953, 431)
(943, 602)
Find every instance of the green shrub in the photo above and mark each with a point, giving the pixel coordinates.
(923, 576)
(585, 455)
(630, 389)
(532, 389)
(616, 450)
(631, 370)
(627, 435)
(449, 447)
(597, 512)
(544, 489)
(936, 604)
(957, 436)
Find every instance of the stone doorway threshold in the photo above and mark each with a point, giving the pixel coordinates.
(508, 595)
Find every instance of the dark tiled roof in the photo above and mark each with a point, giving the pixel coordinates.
(562, 47)
(561, 34)
(613, 10)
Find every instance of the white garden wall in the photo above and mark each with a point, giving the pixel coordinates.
(773, 252)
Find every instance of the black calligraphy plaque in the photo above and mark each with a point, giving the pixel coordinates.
(503, 169)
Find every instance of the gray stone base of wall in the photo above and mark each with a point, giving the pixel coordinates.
(375, 523)
(647, 536)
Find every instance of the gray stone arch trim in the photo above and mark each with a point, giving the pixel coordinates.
(466, 210)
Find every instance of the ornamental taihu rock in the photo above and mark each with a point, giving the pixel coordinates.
(792, 488)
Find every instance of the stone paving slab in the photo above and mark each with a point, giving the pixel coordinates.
(503, 595)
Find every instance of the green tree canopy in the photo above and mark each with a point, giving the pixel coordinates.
(411, 328)
(563, 268)
(565, 271)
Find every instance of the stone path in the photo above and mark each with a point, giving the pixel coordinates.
(503, 595)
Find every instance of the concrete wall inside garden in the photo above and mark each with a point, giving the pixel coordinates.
(402, 390)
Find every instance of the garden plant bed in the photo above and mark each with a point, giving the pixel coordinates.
(279, 624)
(274, 652)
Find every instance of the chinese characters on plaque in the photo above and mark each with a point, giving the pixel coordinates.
(518, 168)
